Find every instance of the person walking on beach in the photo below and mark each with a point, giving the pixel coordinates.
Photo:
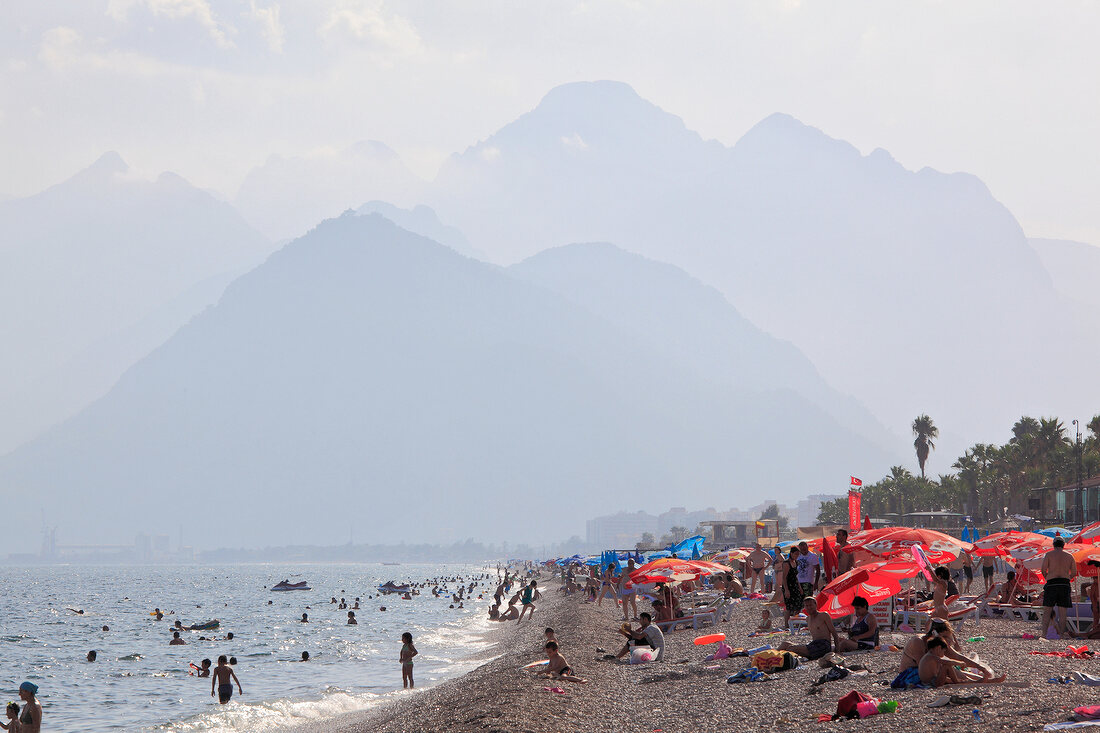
(408, 651)
(223, 679)
(528, 600)
(626, 591)
(758, 561)
(1058, 568)
(607, 585)
(843, 559)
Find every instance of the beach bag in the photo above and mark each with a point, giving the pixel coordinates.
(773, 660)
(847, 706)
(642, 655)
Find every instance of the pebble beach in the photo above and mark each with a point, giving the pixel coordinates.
(685, 694)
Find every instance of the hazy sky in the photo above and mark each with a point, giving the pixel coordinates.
(209, 88)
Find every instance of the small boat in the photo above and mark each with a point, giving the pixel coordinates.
(390, 587)
(205, 625)
(287, 585)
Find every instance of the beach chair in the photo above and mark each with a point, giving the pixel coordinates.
(1079, 618)
(1020, 613)
(983, 600)
(958, 616)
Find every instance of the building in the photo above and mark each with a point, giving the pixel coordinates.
(620, 531)
(807, 510)
(678, 516)
(1060, 504)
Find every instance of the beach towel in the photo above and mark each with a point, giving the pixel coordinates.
(1087, 712)
(773, 660)
(1071, 652)
(908, 679)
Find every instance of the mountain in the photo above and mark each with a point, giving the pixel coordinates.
(94, 273)
(422, 220)
(690, 325)
(1074, 267)
(366, 371)
(285, 197)
(914, 291)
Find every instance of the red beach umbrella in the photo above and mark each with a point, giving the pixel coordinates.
(875, 581)
(1090, 535)
(998, 544)
(886, 542)
(867, 521)
(1082, 553)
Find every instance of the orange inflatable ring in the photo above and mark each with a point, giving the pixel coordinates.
(710, 639)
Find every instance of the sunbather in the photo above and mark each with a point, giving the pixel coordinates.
(863, 633)
(917, 647)
(822, 632)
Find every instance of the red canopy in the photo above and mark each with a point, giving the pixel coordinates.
(875, 581)
(999, 544)
(1090, 535)
(886, 542)
(1082, 553)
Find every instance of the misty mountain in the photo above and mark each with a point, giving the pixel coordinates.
(689, 324)
(422, 220)
(366, 376)
(1074, 267)
(94, 273)
(285, 197)
(914, 291)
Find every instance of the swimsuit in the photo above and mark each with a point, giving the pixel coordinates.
(987, 571)
(969, 572)
(818, 648)
(862, 627)
(407, 662)
(225, 692)
(1057, 592)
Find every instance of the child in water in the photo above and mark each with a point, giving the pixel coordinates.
(408, 651)
(13, 714)
(223, 678)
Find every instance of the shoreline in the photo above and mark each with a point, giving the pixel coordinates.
(685, 693)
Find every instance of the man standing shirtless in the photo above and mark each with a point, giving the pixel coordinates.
(843, 559)
(822, 633)
(1058, 567)
(758, 560)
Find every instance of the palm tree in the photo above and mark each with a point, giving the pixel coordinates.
(925, 431)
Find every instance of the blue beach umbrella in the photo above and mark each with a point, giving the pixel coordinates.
(1059, 531)
(966, 535)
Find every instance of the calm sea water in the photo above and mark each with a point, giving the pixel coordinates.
(139, 682)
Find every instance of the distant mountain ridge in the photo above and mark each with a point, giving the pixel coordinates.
(413, 392)
(94, 257)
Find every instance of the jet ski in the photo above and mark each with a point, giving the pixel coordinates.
(287, 585)
(390, 587)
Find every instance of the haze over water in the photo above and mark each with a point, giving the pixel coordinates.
(140, 682)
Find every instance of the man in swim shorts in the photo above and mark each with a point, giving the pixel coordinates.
(822, 633)
(223, 679)
(988, 570)
(1058, 567)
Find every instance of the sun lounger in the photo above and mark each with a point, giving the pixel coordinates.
(1079, 618)
(1021, 613)
(920, 620)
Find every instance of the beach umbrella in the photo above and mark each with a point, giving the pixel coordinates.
(999, 543)
(867, 521)
(1082, 553)
(1056, 532)
(966, 535)
(875, 581)
(1090, 535)
(735, 555)
(886, 542)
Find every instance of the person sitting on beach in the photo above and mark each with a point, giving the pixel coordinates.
(936, 668)
(176, 640)
(765, 620)
(822, 634)
(647, 634)
(863, 633)
(351, 619)
(511, 614)
(223, 678)
(734, 587)
(558, 667)
(917, 647)
(494, 612)
(1009, 591)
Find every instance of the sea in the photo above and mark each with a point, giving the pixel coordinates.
(141, 683)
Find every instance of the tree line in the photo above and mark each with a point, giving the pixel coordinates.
(987, 478)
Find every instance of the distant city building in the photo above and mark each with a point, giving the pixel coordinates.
(810, 507)
(678, 516)
(620, 531)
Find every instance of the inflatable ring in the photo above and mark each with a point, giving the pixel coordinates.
(710, 639)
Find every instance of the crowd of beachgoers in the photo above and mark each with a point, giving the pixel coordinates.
(964, 632)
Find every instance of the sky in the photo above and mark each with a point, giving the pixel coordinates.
(208, 89)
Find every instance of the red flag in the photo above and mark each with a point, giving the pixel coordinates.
(854, 499)
(828, 552)
(867, 522)
(856, 481)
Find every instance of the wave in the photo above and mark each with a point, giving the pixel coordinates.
(277, 714)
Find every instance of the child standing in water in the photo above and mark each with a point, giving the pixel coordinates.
(223, 678)
(408, 651)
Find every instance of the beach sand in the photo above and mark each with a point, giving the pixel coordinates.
(682, 694)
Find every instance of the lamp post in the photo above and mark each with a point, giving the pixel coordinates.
(1080, 488)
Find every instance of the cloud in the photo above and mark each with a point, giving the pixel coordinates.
(575, 141)
(369, 21)
(62, 48)
(199, 10)
(490, 154)
(270, 25)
